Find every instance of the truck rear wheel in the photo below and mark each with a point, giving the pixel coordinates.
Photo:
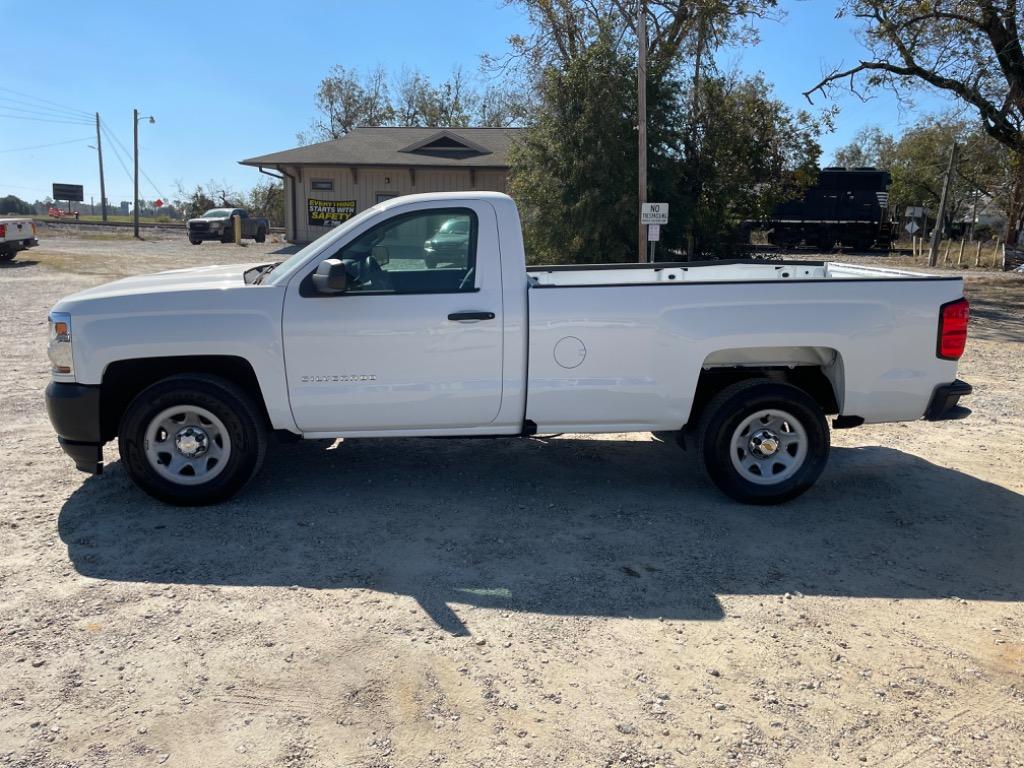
(261, 235)
(195, 241)
(192, 440)
(762, 442)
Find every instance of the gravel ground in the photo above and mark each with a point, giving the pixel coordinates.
(579, 601)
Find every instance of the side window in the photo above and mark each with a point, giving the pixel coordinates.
(424, 252)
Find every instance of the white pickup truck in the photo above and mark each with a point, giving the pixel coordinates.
(16, 234)
(366, 333)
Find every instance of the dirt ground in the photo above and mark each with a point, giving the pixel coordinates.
(579, 601)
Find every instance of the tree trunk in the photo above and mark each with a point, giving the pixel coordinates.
(1015, 204)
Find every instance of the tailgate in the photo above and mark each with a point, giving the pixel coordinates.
(12, 230)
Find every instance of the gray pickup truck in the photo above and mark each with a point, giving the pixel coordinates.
(217, 224)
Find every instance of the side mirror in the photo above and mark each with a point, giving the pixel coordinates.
(381, 255)
(331, 277)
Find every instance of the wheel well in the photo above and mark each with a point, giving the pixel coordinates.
(124, 379)
(810, 378)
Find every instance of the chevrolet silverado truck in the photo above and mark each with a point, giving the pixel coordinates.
(356, 335)
(16, 235)
(218, 224)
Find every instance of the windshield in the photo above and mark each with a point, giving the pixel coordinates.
(217, 213)
(284, 270)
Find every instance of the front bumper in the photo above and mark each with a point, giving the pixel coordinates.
(74, 411)
(944, 404)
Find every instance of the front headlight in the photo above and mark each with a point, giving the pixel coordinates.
(59, 350)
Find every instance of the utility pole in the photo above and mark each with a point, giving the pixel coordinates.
(641, 101)
(103, 187)
(135, 207)
(933, 251)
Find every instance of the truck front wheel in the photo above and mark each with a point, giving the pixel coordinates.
(261, 235)
(763, 442)
(192, 440)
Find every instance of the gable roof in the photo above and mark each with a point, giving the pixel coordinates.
(448, 147)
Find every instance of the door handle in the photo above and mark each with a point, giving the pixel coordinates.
(457, 316)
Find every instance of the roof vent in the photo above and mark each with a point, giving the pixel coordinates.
(446, 144)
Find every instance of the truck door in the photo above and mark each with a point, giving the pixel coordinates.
(415, 341)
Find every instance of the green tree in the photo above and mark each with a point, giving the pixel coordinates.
(720, 150)
(870, 147)
(574, 174)
(13, 204)
(918, 159)
(750, 153)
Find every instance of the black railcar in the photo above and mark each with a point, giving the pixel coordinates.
(847, 207)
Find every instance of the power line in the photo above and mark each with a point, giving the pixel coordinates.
(117, 152)
(46, 119)
(31, 97)
(144, 175)
(43, 146)
(21, 104)
(37, 113)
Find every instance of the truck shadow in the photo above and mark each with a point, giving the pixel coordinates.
(566, 526)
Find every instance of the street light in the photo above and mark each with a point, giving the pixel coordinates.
(135, 207)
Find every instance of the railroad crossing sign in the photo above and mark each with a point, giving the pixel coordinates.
(654, 213)
(911, 227)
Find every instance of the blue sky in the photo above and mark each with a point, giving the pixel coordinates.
(246, 86)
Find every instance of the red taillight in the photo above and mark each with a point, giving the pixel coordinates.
(953, 329)
(3, 230)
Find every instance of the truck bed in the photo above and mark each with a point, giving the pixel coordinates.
(726, 271)
(625, 355)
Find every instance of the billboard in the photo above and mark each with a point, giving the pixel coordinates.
(73, 193)
(328, 213)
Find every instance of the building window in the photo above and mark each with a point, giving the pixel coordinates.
(323, 185)
(382, 196)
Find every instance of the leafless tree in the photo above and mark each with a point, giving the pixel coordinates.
(968, 49)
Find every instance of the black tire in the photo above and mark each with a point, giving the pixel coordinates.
(194, 241)
(261, 235)
(243, 421)
(720, 428)
(7, 255)
(228, 236)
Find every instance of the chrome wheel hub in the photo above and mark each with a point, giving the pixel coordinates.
(192, 441)
(769, 447)
(187, 444)
(764, 443)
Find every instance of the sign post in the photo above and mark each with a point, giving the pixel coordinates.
(653, 215)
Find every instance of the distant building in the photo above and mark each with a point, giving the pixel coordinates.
(327, 183)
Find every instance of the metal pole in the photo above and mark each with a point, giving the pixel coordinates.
(135, 207)
(103, 186)
(933, 252)
(641, 100)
